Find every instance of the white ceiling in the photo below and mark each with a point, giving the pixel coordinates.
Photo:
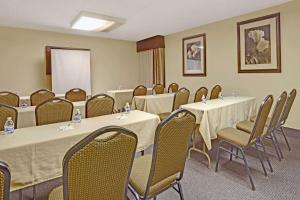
(145, 18)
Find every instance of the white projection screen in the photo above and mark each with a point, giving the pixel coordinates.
(70, 69)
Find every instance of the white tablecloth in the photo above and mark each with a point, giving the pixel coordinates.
(26, 99)
(123, 96)
(26, 116)
(35, 154)
(155, 104)
(217, 114)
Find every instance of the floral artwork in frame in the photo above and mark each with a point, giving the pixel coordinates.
(259, 45)
(194, 55)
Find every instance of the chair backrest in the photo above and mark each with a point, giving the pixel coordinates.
(5, 112)
(4, 181)
(40, 96)
(98, 167)
(158, 89)
(140, 91)
(9, 98)
(173, 87)
(261, 118)
(53, 111)
(275, 118)
(171, 144)
(76, 94)
(215, 92)
(181, 97)
(200, 92)
(99, 105)
(288, 105)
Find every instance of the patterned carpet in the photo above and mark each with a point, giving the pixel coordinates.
(231, 182)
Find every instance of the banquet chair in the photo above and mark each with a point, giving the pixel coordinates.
(154, 173)
(140, 91)
(173, 87)
(215, 92)
(285, 114)
(99, 105)
(158, 89)
(199, 93)
(53, 111)
(40, 96)
(4, 181)
(76, 94)
(242, 141)
(98, 167)
(272, 126)
(181, 97)
(5, 112)
(9, 98)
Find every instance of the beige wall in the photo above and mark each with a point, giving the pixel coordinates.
(22, 60)
(222, 59)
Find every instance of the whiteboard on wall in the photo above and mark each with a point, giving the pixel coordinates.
(70, 69)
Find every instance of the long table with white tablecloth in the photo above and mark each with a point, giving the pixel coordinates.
(123, 96)
(35, 154)
(220, 113)
(26, 116)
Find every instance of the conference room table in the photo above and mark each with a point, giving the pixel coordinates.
(35, 154)
(26, 99)
(216, 114)
(155, 104)
(26, 116)
(123, 96)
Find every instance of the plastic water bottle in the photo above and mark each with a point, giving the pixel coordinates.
(234, 94)
(221, 96)
(24, 104)
(9, 126)
(203, 99)
(127, 108)
(77, 116)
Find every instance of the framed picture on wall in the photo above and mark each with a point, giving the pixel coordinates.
(259, 48)
(194, 55)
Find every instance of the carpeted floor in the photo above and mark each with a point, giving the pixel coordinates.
(231, 182)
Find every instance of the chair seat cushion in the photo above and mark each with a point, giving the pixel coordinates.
(246, 126)
(56, 194)
(162, 116)
(139, 177)
(234, 136)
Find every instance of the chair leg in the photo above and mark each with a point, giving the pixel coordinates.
(237, 153)
(285, 138)
(261, 160)
(180, 191)
(20, 194)
(266, 155)
(277, 143)
(231, 149)
(218, 157)
(277, 148)
(247, 169)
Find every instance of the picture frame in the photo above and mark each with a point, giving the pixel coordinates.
(259, 45)
(194, 55)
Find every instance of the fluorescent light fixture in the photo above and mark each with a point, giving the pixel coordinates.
(87, 21)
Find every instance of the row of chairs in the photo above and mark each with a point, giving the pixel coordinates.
(174, 87)
(12, 99)
(60, 110)
(254, 133)
(104, 168)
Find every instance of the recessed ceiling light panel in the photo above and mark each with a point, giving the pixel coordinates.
(87, 21)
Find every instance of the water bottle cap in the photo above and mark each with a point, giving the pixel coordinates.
(9, 118)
